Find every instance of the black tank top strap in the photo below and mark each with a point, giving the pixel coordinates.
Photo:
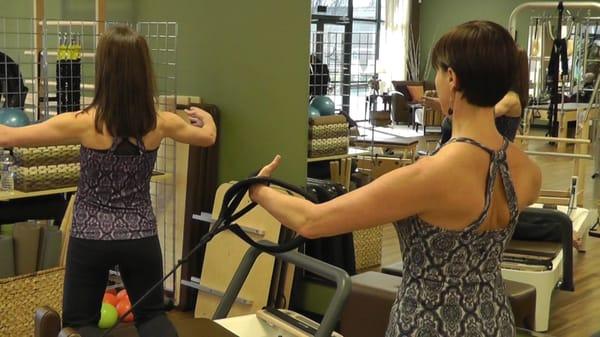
(115, 144)
(140, 144)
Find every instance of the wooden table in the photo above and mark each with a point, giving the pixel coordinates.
(408, 145)
(569, 112)
(352, 152)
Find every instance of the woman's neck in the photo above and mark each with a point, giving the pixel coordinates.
(475, 122)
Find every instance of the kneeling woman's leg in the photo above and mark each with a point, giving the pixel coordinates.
(141, 267)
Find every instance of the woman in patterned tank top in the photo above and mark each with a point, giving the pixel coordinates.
(454, 211)
(113, 222)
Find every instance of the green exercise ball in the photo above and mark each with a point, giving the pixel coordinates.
(14, 117)
(313, 112)
(324, 104)
(108, 316)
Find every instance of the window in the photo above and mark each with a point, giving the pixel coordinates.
(345, 35)
(365, 9)
(332, 7)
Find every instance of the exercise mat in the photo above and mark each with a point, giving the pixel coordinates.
(7, 257)
(50, 246)
(26, 237)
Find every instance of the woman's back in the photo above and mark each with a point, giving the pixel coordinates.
(452, 281)
(113, 200)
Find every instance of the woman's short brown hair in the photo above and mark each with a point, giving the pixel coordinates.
(483, 56)
(125, 85)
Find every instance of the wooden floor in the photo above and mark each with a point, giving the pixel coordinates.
(573, 314)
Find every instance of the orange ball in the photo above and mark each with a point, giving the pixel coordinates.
(122, 307)
(121, 295)
(110, 299)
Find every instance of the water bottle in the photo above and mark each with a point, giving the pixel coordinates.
(7, 163)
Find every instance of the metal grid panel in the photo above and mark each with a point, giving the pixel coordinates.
(63, 80)
(18, 65)
(162, 40)
(350, 61)
(67, 78)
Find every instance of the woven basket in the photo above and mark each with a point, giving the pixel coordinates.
(328, 131)
(30, 179)
(21, 295)
(328, 147)
(47, 155)
(367, 247)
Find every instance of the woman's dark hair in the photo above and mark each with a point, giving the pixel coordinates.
(484, 57)
(521, 80)
(125, 84)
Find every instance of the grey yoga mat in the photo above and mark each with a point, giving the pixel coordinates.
(26, 240)
(50, 246)
(7, 257)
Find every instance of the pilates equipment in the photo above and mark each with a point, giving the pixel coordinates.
(573, 195)
(313, 112)
(68, 72)
(14, 117)
(374, 293)
(554, 239)
(227, 215)
(47, 321)
(574, 102)
(323, 104)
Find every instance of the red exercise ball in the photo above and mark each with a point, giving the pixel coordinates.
(110, 299)
(122, 307)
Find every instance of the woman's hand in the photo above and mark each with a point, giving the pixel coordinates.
(266, 171)
(198, 117)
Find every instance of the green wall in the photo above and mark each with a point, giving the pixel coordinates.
(439, 16)
(250, 58)
(16, 9)
(116, 10)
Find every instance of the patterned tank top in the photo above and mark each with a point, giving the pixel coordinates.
(113, 197)
(452, 285)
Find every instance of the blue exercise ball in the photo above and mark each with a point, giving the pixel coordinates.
(324, 104)
(14, 117)
(313, 112)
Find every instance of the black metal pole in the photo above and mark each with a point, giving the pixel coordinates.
(555, 98)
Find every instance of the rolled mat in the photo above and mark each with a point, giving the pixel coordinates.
(26, 240)
(50, 246)
(6, 229)
(7, 257)
(324, 120)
